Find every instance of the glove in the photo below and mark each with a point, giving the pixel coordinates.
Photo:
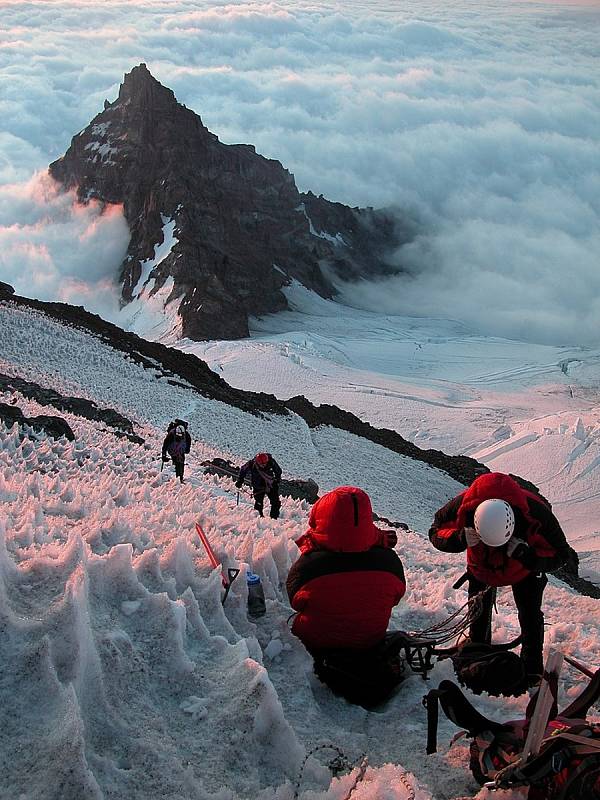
(471, 537)
(521, 551)
(390, 539)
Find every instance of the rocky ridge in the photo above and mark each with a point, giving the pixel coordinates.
(238, 226)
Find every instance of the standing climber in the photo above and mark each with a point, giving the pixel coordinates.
(343, 587)
(177, 444)
(512, 538)
(265, 474)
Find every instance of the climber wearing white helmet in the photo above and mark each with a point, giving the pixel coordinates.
(512, 538)
(494, 522)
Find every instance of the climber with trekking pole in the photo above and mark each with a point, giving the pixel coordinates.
(512, 538)
(177, 445)
(264, 473)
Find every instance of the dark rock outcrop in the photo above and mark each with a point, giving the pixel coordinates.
(6, 288)
(121, 426)
(462, 468)
(190, 371)
(243, 229)
(298, 489)
(52, 426)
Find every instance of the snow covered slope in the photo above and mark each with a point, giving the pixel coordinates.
(528, 409)
(122, 674)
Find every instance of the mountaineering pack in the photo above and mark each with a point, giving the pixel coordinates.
(490, 668)
(567, 764)
(178, 445)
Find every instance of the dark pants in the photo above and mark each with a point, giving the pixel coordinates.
(528, 599)
(273, 495)
(364, 677)
(179, 464)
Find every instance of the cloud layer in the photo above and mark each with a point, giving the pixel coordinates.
(479, 119)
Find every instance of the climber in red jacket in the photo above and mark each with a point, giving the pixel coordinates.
(345, 583)
(512, 538)
(348, 577)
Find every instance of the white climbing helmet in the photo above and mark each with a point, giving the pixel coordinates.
(494, 522)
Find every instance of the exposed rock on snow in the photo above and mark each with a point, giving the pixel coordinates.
(75, 405)
(53, 426)
(234, 214)
(461, 468)
(186, 370)
(298, 489)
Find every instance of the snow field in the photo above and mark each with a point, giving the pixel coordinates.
(123, 675)
(79, 364)
(522, 408)
(122, 662)
(113, 626)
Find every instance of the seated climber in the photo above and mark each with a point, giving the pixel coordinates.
(343, 587)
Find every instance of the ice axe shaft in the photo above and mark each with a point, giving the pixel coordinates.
(227, 578)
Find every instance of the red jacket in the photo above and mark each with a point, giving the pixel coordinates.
(534, 523)
(345, 583)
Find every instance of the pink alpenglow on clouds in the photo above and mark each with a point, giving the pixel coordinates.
(54, 248)
(479, 122)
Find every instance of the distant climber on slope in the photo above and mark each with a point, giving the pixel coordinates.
(177, 444)
(343, 587)
(265, 474)
(512, 538)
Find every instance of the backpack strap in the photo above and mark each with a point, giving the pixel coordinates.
(557, 750)
(585, 700)
(458, 709)
(430, 701)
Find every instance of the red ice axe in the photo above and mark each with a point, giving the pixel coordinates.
(226, 578)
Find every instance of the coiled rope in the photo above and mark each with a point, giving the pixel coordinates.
(341, 763)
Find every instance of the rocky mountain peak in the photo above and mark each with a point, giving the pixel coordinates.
(231, 226)
(140, 88)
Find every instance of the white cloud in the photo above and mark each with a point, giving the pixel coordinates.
(54, 248)
(483, 119)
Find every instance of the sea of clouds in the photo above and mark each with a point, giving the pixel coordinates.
(478, 121)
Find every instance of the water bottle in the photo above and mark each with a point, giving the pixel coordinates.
(256, 596)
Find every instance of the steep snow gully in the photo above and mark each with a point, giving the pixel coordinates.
(122, 675)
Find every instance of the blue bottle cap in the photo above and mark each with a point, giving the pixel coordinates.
(252, 579)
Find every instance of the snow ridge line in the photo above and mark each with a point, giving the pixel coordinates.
(196, 374)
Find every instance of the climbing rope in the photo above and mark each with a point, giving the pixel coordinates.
(339, 763)
(448, 629)
(208, 465)
(403, 778)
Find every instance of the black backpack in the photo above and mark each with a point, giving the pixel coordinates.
(490, 668)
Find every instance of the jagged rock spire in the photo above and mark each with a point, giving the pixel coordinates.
(241, 230)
